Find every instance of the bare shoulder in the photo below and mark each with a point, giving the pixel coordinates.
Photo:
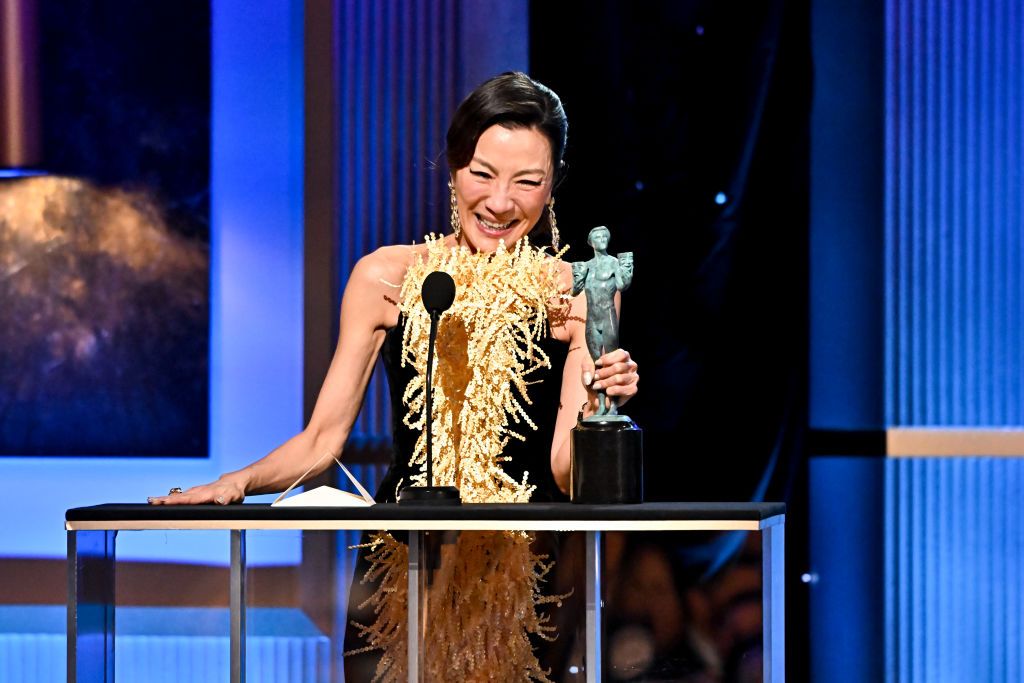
(374, 283)
(385, 265)
(390, 263)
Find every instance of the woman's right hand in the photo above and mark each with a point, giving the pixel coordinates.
(224, 491)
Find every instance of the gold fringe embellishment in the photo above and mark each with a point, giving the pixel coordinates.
(487, 357)
(485, 596)
(483, 605)
(389, 565)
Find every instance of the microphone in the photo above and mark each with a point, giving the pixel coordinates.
(438, 294)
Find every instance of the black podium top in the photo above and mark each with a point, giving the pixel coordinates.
(526, 517)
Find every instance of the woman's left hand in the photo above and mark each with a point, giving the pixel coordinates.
(615, 373)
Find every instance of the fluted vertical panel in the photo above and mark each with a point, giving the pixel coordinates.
(955, 569)
(954, 281)
(395, 92)
(401, 74)
(168, 645)
(954, 161)
(33, 657)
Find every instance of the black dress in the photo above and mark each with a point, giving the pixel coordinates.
(532, 455)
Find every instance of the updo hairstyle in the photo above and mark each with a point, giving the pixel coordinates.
(512, 100)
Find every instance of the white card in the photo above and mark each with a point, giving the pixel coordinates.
(324, 496)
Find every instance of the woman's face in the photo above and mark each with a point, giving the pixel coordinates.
(502, 192)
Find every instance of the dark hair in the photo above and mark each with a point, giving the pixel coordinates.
(512, 100)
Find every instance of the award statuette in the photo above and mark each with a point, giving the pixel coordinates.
(606, 448)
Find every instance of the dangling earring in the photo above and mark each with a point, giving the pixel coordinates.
(454, 218)
(553, 224)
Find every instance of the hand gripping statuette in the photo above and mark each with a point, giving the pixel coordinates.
(606, 448)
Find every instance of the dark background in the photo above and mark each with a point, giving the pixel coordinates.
(669, 105)
(688, 137)
(126, 100)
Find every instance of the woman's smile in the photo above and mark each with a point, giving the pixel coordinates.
(494, 228)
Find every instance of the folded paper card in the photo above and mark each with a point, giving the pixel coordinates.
(325, 496)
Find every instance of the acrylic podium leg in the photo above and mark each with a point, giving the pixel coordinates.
(91, 606)
(594, 604)
(236, 601)
(413, 608)
(773, 600)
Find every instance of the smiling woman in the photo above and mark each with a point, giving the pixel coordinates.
(497, 440)
(505, 147)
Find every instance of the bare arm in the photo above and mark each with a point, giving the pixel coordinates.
(365, 317)
(574, 397)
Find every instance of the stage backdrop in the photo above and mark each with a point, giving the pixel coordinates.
(104, 263)
(255, 350)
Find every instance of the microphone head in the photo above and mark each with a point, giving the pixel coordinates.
(438, 292)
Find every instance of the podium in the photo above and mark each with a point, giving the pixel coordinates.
(91, 559)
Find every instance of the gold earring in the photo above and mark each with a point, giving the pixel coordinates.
(454, 218)
(553, 224)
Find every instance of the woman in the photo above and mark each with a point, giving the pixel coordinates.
(505, 154)
(501, 420)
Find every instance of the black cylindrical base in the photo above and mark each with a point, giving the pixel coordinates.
(607, 462)
(429, 495)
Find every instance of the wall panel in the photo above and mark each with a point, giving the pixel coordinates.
(403, 68)
(954, 162)
(954, 358)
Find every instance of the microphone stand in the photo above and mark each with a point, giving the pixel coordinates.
(430, 494)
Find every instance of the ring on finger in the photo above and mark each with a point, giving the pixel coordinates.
(176, 489)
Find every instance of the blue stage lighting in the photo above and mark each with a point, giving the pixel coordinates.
(20, 172)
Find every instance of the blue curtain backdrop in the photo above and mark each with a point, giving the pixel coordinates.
(954, 237)
(403, 68)
(916, 311)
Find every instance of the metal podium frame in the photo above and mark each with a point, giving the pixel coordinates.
(91, 559)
